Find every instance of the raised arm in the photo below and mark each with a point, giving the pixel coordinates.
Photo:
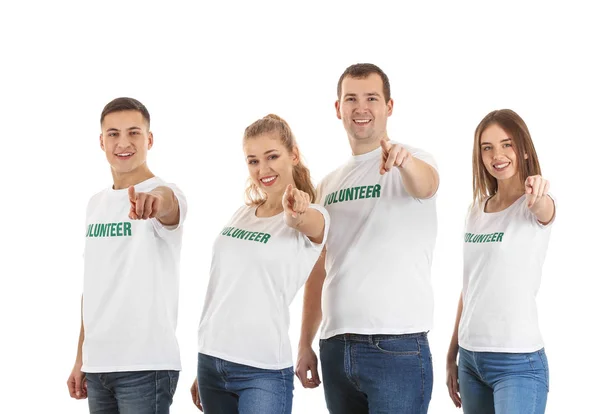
(160, 203)
(420, 179)
(299, 215)
(538, 200)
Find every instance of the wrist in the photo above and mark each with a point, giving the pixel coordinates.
(304, 344)
(540, 204)
(162, 204)
(407, 164)
(291, 221)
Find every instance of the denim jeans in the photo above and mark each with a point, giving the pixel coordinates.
(503, 383)
(135, 392)
(229, 388)
(377, 373)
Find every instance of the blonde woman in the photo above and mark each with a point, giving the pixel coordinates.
(260, 260)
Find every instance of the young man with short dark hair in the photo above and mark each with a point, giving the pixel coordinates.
(128, 355)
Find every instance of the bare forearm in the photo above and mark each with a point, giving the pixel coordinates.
(311, 312)
(311, 223)
(453, 348)
(544, 210)
(311, 318)
(419, 178)
(79, 358)
(168, 212)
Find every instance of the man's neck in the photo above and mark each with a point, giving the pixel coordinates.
(360, 147)
(125, 180)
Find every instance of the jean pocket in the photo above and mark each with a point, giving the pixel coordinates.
(544, 361)
(539, 367)
(173, 380)
(398, 346)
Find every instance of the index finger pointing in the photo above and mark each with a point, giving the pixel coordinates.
(290, 194)
(131, 193)
(385, 144)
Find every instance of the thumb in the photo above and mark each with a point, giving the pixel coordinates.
(315, 374)
(78, 385)
(302, 376)
(131, 193)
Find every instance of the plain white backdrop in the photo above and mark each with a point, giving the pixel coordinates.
(205, 71)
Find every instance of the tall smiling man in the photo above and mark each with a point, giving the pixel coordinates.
(372, 288)
(128, 355)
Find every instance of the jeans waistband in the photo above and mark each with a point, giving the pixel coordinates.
(350, 337)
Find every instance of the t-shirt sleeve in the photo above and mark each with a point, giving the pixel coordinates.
(471, 208)
(422, 155)
(84, 242)
(427, 158)
(319, 193)
(534, 219)
(327, 219)
(85, 223)
(163, 230)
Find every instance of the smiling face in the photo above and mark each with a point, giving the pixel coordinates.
(503, 154)
(498, 155)
(363, 109)
(125, 140)
(270, 164)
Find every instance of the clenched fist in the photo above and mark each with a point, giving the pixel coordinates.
(196, 395)
(77, 383)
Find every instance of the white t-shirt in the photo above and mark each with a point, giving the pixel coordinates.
(258, 266)
(379, 250)
(131, 285)
(503, 257)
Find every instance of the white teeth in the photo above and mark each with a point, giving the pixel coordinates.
(267, 180)
(500, 166)
(127, 154)
(362, 121)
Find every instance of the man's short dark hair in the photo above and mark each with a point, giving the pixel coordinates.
(125, 104)
(361, 71)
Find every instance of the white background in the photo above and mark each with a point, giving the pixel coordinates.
(207, 71)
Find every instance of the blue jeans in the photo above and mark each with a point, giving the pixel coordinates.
(377, 373)
(136, 392)
(229, 388)
(503, 383)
